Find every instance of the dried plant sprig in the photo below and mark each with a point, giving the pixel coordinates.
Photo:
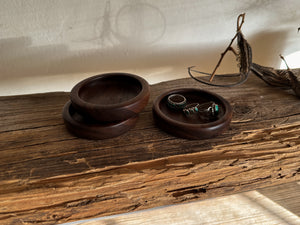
(243, 56)
(287, 79)
(191, 69)
(273, 77)
(295, 83)
(240, 22)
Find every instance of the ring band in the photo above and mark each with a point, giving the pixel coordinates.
(176, 101)
(191, 109)
(209, 108)
(214, 109)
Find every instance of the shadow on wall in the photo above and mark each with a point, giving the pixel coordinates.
(117, 45)
(130, 43)
(267, 46)
(20, 59)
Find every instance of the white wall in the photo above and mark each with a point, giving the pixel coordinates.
(50, 45)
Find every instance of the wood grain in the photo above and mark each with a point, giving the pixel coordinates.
(49, 176)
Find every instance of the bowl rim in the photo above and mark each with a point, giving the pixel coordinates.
(76, 99)
(227, 115)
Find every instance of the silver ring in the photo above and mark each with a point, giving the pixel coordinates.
(176, 101)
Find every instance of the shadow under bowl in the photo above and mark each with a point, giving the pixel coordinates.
(194, 126)
(111, 97)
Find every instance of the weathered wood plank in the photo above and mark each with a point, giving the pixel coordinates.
(47, 175)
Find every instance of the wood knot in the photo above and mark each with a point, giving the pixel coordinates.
(241, 109)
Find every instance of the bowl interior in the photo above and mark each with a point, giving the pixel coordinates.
(110, 90)
(191, 96)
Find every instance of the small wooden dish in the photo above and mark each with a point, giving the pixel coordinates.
(85, 127)
(191, 127)
(111, 97)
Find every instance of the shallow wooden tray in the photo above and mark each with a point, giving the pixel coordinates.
(191, 127)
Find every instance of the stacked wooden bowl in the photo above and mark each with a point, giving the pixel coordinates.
(106, 105)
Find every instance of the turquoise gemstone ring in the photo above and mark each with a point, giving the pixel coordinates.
(210, 109)
(191, 109)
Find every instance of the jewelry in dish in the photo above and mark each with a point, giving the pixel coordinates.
(209, 109)
(176, 101)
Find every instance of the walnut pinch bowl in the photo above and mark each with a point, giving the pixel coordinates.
(110, 97)
(193, 126)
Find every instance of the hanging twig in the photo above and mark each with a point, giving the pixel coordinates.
(229, 48)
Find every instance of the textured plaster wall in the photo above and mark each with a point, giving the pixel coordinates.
(50, 45)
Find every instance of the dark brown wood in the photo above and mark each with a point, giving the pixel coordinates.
(111, 97)
(193, 126)
(85, 127)
(49, 176)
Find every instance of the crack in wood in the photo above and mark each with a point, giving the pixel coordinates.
(190, 191)
(32, 128)
(49, 142)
